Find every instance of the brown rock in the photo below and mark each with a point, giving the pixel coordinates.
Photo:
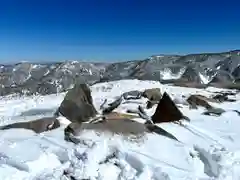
(38, 126)
(119, 116)
(167, 111)
(77, 105)
(153, 94)
(199, 100)
(124, 127)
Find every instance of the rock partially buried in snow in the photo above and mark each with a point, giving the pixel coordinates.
(223, 97)
(124, 127)
(77, 105)
(130, 129)
(214, 111)
(198, 100)
(150, 104)
(132, 95)
(38, 126)
(153, 94)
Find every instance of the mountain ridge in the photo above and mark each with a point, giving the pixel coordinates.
(53, 77)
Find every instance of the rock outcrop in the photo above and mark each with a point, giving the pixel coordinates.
(198, 100)
(153, 94)
(77, 105)
(38, 126)
(133, 130)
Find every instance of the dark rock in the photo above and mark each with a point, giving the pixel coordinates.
(150, 104)
(38, 126)
(220, 97)
(132, 95)
(223, 97)
(167, 111)
(112, 105)
(77, 105)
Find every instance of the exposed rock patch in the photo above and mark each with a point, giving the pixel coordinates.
(38, 126)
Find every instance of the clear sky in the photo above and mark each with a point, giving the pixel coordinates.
(44, 30)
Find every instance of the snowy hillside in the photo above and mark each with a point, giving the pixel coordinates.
(209, 146)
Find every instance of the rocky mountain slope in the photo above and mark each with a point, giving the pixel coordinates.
(47, 78)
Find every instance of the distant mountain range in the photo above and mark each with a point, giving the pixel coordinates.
(46, 78)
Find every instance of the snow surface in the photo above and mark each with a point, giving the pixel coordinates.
(209, 146)
(167, 74)
(204, 79)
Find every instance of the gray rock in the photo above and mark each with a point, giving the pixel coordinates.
(77, 105)
(153, 94)
(132, 95)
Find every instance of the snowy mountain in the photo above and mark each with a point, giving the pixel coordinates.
(31, 78)
(208, 146)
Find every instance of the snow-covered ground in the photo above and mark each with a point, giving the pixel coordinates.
(209, 146)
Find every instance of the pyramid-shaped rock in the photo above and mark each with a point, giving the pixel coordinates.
(166, 111)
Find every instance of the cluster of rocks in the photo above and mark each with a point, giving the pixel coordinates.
(193, 70)
(78, 108)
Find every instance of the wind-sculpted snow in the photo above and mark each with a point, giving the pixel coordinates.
(54, 77)
(208, 146)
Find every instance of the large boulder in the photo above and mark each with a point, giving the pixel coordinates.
(167, 111)
(153, 94)
(77, 105)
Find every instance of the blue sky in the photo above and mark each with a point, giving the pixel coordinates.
(109, 30)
